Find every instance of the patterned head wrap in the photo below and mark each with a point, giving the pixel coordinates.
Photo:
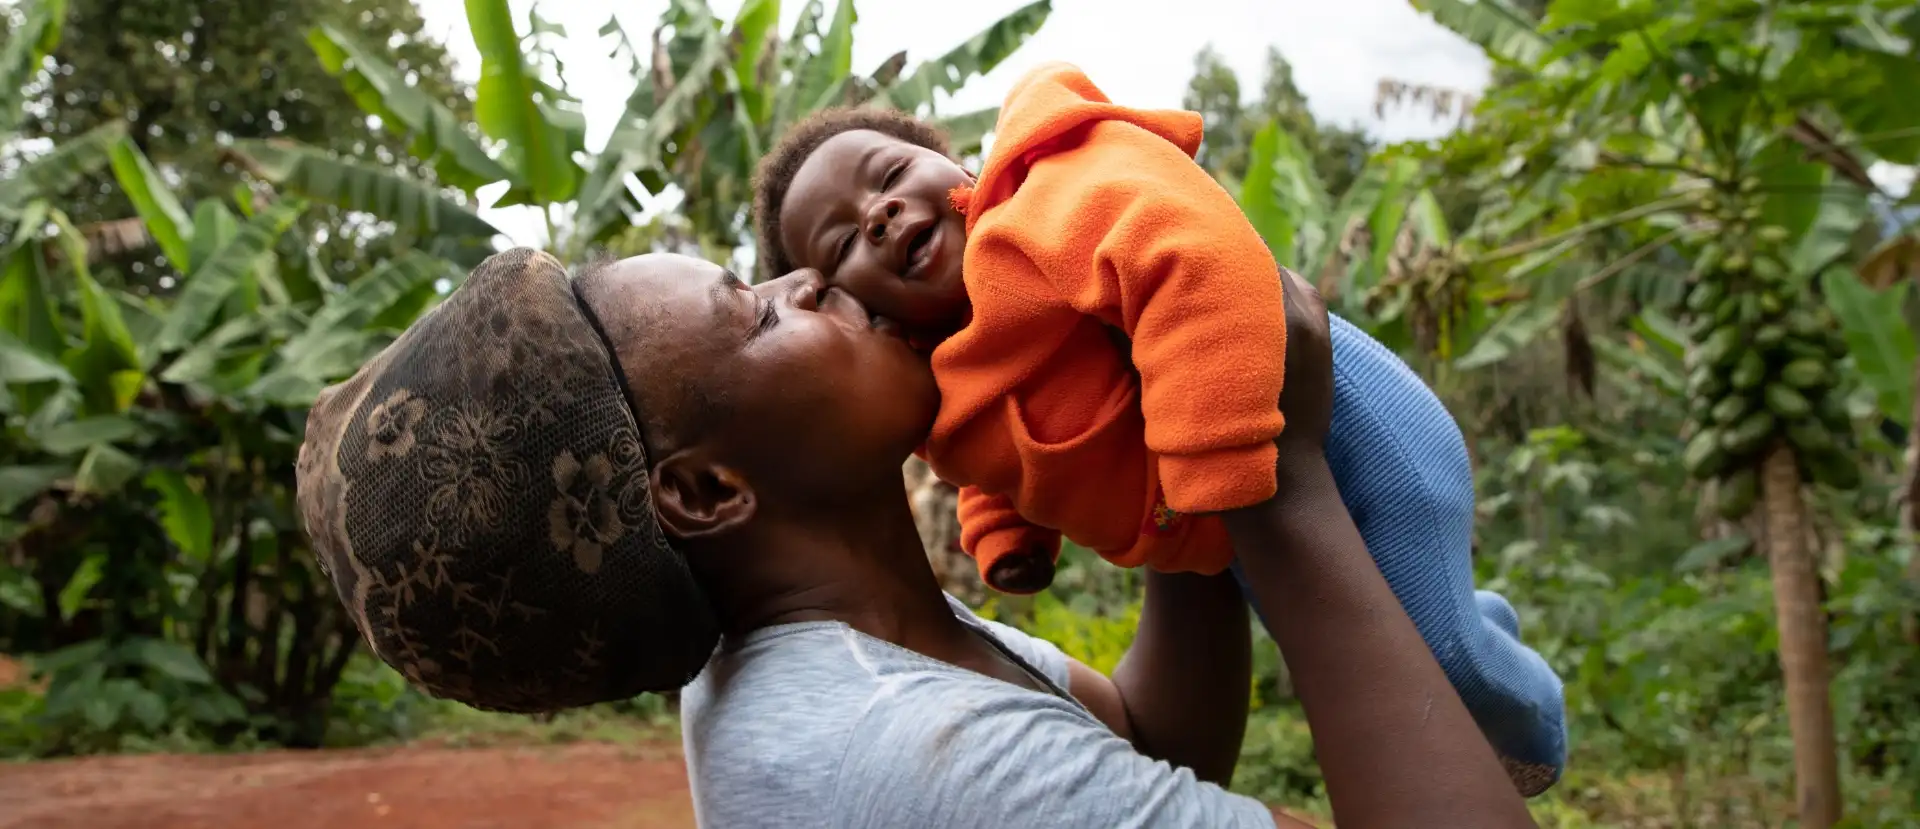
(478, 495)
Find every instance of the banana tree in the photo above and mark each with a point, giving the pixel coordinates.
(710, 97)
(713, 96)
(528, 135)
(146, 475)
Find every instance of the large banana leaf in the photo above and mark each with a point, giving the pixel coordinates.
(416, 207)
(636, 144)
(752, 35)
(21, 363)
(337, 340)
(510, 110)
(105, 364)
(213, 227)
(208, 287)
(437, 135)
(1874, 325)
(1828, 238)
(26, 47)
(825, 74)
(967, 131)
(165, 219)
(978, 56)
(1384, 220)
(363, 300)
(51, 175)
(1506, 33)
(1512, 333)
(26, 303)
(794, 56)
(1283, 198)
(199, 362)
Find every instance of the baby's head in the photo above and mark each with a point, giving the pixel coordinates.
(862, 195)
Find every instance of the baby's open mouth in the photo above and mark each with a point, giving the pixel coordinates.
(919, 246)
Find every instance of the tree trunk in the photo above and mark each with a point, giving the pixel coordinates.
(1803, 642)
(936, 514)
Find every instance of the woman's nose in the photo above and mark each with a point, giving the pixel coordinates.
(801, 289)
(881, 212)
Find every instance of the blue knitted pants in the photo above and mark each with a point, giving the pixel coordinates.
(1402, 469)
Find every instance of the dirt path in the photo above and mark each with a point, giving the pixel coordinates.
(593, 786)
(581, 786)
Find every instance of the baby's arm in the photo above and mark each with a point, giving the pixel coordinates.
(993, 532)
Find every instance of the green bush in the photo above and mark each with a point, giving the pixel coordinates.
(1277, 763)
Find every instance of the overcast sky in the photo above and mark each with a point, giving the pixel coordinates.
(1139, 51)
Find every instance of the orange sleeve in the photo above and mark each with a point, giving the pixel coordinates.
(990, 527)
(1128, 228)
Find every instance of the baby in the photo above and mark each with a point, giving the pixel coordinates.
(1108, 335)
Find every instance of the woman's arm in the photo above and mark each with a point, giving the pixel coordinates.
(1180, 693)
(1394, 742)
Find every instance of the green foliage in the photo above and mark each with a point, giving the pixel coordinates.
(731, 89)
(417, 208)
(1096, 639)
(185, 75)
(103, 697)
(155, 572)
(1642, 180)
(1543, 266)
(436, 133)
(1277, 763)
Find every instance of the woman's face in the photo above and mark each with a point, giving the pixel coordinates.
(813, 394)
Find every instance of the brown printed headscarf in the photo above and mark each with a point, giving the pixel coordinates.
(478, 495)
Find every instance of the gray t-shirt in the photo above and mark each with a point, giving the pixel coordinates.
(817, 725)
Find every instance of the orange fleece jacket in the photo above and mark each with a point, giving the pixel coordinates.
(1092, 226)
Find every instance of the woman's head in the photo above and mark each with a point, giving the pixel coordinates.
(784, 396)
(506, 496)
(861, 195)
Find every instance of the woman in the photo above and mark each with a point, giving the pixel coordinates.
(749, 490)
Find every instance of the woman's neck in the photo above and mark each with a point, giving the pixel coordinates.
(863, 566)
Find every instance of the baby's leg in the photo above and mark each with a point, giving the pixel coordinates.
(1402, 470)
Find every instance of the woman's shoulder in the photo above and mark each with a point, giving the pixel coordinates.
(778, 722)
(824, 673)
(818, 725)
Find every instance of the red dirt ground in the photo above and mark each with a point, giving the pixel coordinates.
(582, 786)
(422, 786)
(593, 786)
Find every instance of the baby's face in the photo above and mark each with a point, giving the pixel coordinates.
(871, 213)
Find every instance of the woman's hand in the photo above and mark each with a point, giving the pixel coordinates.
(1394, 741)
(1306, 398)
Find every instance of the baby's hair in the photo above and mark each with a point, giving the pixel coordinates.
(778, 167)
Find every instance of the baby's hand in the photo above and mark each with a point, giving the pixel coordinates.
(1021, 572)
(1307, 396)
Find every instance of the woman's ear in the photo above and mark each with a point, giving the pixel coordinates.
(697, 497)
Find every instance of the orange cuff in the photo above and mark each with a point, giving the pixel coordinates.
(1219, 480)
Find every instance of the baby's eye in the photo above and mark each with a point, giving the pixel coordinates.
(893, 174)
(846, 247)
